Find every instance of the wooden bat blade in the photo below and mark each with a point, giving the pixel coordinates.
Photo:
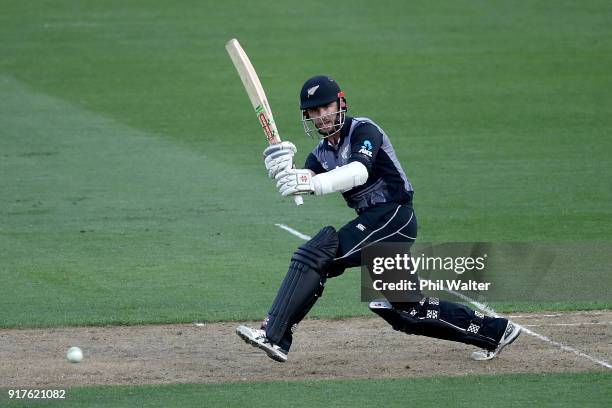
(254, 89)
(256, 93)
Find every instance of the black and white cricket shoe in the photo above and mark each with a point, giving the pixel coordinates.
(257, 338)
(510, 334)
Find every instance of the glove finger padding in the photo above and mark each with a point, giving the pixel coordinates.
(294, 181)
(286, 189)
(278, 154)
(280, 149)
(279, 157)
(277, 165)
(285, 178)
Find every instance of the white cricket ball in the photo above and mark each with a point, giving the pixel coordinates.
(74, 355)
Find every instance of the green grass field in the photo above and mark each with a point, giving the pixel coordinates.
(132, 188)
(559, 391)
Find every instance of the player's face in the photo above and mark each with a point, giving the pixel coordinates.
(324, 117)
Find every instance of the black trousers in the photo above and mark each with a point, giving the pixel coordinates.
(390, 222)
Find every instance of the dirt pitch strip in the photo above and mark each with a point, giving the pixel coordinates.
(349, 348)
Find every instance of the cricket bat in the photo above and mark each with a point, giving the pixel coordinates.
(256, 93)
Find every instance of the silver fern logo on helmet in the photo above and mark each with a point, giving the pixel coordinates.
(311, 91)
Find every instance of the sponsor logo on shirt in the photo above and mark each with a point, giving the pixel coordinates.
(366, 148)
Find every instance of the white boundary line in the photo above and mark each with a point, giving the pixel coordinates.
(293, 232)
(490, 311)
(569, 324)
(493, 313)
(536, 315)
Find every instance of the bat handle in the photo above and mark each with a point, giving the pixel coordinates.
(298, 199)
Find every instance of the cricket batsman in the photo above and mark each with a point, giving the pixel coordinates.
(355, 157)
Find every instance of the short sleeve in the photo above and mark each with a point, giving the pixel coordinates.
(313, 164)
(365, 143)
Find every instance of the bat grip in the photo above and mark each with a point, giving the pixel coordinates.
(298, 199)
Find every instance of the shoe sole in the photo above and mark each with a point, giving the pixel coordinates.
(489, 355)
(273, 355)
(514, 336)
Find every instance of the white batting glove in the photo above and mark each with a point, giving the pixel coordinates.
(297, 181)
(279, 157)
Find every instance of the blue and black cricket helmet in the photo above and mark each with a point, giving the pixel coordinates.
(318, 91)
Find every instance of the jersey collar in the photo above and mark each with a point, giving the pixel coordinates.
(343, 133)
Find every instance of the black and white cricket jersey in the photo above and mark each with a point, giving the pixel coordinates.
(364, 141)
